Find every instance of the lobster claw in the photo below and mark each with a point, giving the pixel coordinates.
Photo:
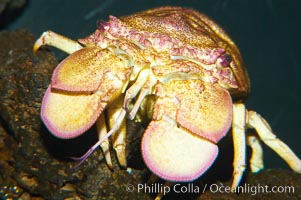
(208, 113)
(68, 115)
(80, 71)
(82, 85)
(174, 153)
(180, 143)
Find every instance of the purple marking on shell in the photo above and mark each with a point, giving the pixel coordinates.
(208, 56)
(162, 42)
(224, 60)
(225, 75)
(102, 25)
(115, 28)
(97, 38)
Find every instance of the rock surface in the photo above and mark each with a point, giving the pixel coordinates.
(31, 158)
(35, 165)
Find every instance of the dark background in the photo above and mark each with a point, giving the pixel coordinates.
(266, 31)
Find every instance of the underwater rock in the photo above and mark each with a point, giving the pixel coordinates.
(35, 164)
(32, 160)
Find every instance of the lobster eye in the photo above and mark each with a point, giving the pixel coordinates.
(225, 60)
(228, 58)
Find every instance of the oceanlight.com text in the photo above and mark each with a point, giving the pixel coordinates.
(213, 188)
